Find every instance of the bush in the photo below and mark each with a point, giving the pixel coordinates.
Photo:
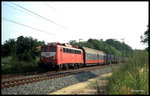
(21, 67)
(6, 60)
(132, 77)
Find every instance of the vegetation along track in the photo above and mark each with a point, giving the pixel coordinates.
(49, 75)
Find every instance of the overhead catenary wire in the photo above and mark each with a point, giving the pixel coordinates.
(40, 16)
(44, 17)
(28, 26)
(57, 11)
(50, 6)
(24, 12)
(20, 10)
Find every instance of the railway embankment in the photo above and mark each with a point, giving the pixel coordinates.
(129, 78)
(92, 86)
(52, 85)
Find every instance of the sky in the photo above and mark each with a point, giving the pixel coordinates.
(63, 21)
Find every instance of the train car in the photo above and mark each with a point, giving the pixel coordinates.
(112, 59)
(116, 59)
(108, 58)
(124, 59)
(60, 56)
(119, 59)
(92, 56)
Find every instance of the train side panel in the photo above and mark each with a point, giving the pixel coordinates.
(108, 58)
(94, 56)
(68, 55)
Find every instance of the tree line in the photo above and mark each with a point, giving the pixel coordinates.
(22, 49)
(110, 46)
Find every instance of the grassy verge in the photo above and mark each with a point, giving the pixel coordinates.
(6, 60)
(10, 66)
(132, 77)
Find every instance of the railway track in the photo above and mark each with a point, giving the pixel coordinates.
(46, 76)
(13, 83)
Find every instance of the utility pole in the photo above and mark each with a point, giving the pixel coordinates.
(123, 42)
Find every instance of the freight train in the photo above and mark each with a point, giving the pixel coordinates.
(63, 56)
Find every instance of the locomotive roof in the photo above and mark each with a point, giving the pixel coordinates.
(69, 47)
(89, 50)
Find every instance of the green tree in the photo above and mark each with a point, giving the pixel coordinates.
(72, 42)
(9, 48)
(124, 48)
(26, 48)
(41, 43)
(145, 38)
(100, 45)
(22, 49)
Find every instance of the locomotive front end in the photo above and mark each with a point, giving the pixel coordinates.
(48, 57)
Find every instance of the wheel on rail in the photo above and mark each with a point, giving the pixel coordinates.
(71, 66)
(98, 64)
(79, 65)
(76, 66)
(65, 67)
(46, 68)
(58, 68)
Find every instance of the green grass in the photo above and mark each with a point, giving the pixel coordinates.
(6, 60)
(10, 66)
(132, 77)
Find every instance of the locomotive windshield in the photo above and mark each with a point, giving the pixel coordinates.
(44, 49)
(52, 51)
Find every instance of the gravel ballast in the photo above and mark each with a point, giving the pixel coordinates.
(48, 86)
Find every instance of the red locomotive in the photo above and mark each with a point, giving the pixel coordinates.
(63, 56)
(60, 56)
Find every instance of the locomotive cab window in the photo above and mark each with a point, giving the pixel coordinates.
(44, 49)
(52, 51)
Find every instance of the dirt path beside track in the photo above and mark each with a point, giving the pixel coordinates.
(87, 87)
